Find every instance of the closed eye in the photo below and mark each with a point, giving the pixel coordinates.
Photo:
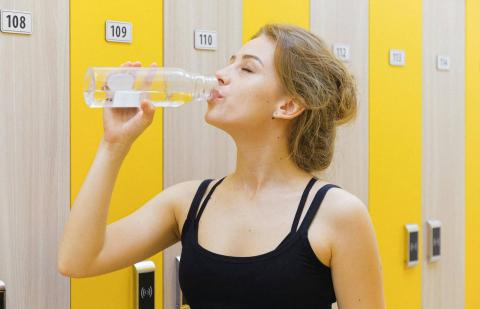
(245, 69)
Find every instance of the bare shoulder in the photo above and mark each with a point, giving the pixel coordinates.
(355, 259)
(345, 215)
(337, 208)
(183, 191)
(342, 207)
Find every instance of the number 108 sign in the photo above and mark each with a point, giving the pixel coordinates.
(16, 22)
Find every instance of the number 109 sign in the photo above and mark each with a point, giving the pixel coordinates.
(118, 31)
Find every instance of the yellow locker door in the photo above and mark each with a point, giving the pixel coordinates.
(472, 168)
(395, 147)
(140, 177)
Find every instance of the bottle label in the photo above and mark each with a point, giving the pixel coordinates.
(126, 98)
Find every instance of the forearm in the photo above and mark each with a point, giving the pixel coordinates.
(84, 233)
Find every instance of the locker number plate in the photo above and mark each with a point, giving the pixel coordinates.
(205, 39)
(397, 57)
(118, 31)
(443, 63)
(342, 51)
(16, 22)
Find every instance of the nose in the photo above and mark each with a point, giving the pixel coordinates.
(222, 77)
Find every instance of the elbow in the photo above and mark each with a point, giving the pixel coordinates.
(68, 271)
(68, 266)
(64, 270)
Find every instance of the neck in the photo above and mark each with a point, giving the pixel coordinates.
(264, 164)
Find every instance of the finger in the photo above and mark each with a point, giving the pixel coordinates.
(128, 63)
(147, 82)
(147, 108)
(137, 64)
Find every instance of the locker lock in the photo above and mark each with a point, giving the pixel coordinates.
(144, 285)
(3, 296)
(411, 252)
(434, 240)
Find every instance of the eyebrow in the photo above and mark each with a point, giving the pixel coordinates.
(233, 57)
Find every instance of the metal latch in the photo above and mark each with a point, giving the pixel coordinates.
(3, 295)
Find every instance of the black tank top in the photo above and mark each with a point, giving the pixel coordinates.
(290, 276)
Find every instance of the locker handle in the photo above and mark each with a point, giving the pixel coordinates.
(3, 296)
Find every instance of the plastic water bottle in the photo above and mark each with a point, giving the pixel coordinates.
(128, 86)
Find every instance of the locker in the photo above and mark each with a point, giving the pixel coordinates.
(192, 148)
(34, 160)
(443, 152)
(140, 177)
(472, 153)
(395, 143)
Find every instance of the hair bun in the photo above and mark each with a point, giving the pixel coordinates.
(346, 107)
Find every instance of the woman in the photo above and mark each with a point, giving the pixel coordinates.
(263, 241)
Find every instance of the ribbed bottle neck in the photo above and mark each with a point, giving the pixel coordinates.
(203, 86)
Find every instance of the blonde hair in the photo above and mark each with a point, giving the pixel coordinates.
(319, 82)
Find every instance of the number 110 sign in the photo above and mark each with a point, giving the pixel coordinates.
(205, 39)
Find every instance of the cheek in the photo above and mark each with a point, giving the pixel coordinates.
(246, 109)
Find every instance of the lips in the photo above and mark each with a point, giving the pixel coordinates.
(215, 94)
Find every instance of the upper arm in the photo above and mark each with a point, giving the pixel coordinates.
(145, 232)
(356, 266)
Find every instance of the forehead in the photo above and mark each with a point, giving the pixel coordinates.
(262, 47)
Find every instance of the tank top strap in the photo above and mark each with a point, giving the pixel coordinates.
(314, 206)
(205, 201)
(194, 207)
(197, 198)
(302, 204)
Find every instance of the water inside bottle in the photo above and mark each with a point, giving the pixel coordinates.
(127, 87)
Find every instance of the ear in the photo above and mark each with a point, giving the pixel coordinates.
(289, 109)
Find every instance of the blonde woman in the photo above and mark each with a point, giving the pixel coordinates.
(256, 238)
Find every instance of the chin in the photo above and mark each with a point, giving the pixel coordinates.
(215, 119)
(218, 120)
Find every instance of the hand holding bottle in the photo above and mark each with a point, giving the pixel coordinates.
(123, 125)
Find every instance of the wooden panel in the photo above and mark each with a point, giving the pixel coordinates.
(472, 127)
(140, 177)
(346, 22)
(395, 142)
(192, 148)
(258, 13)
(443, 166)
(34, 165)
